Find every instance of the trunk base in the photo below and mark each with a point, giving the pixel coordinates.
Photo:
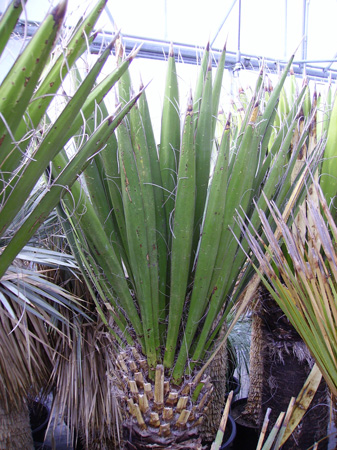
(158, 414)
(149, 440)
(15, 430)
(284, 365)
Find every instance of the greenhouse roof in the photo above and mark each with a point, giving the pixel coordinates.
(271, 30)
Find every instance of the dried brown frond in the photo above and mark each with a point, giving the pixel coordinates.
(25, 356)
(84, 393)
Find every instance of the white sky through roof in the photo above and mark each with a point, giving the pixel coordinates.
(195, 22)
(264, 31)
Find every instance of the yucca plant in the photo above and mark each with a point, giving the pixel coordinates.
(328, 167)
(29, 140)
(304, 286)
(298, 270)
(280, 360)
(153, 226)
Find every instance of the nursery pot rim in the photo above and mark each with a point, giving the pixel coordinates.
(232, 434)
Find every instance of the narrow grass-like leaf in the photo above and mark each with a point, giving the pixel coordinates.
(200, 81)
(203, 149)
(272, 435)
(90, 272)
(328, 179)
(161, 223)
(182, 235)
(303, 401)
(216, 91)
(239, 190)
(17, 88)
(143, 164)
(59, 69)
(211, 233)
(302, 294)
(219, 284)
(52, 197)
(137, 238)
(170, 136)
(56, 138)
(8, 22)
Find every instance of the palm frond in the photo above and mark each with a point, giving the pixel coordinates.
(86, 390)
(34, 311)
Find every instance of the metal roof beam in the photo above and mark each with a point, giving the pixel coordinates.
(158, 50)
(224, 21)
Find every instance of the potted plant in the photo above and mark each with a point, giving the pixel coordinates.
(153, 229)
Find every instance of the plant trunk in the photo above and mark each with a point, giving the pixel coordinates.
(253, 411)
(15, 430)
(282, 363)
(159, 415)
(217, 372)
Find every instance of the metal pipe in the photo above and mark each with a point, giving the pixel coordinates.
(330, 62)
(165, 19)
(315, 61)
(110, 17)
(285, 28)
(223, 22)
(159, 49)
(239, 34)
(305, 29)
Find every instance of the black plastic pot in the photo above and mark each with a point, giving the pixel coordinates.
(41, 446)
(247, 435)
(39, 416)
(229, 435)
(233, 385)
